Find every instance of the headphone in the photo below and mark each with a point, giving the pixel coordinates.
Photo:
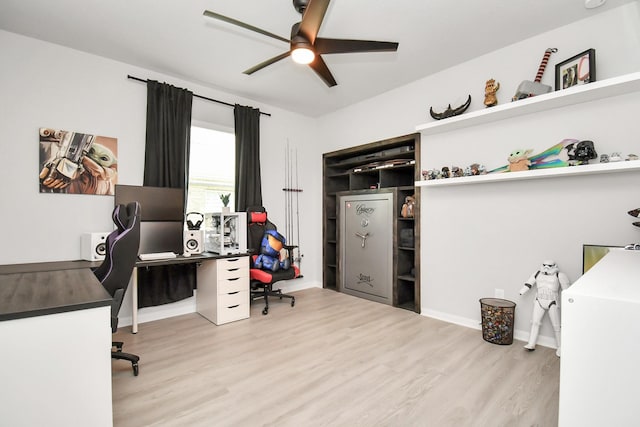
(190, 224)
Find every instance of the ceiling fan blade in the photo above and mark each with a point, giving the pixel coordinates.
(321, 69)
(263, 64)
(214, 15)
(312, 18)
(351, 46)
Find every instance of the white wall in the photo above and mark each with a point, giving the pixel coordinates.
(482, 237)
(614, 34)
(48, 85)
(43, 84)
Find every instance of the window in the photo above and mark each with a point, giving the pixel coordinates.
(211, 169)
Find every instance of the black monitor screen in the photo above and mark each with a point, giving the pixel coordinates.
(161, 236)
(156, 203)
(162, 216)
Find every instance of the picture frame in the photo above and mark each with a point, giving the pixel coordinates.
(577, 70)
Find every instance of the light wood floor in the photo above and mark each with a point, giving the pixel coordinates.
(332, 360)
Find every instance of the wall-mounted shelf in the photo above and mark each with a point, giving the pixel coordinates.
(597, 168)
(584, 93)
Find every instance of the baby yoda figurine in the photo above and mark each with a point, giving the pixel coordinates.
(519, 160)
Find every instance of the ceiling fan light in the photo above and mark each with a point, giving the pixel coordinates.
(303, 55)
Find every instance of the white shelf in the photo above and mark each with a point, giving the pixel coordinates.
(590, 92)
(614, 167)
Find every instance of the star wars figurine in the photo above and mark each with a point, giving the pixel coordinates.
(579, 153)
(519, 160)
(549, 281)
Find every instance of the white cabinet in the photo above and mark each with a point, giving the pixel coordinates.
(599, 373)
(55, 330)
(56, 369)
(223, 289)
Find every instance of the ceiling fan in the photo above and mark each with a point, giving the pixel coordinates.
(305, 46)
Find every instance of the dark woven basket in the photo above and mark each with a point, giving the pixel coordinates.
(498, 316)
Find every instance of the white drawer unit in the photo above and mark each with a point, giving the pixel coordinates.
(223, 290)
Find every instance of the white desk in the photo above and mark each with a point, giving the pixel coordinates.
(599, 367)
(205, 276)
(55, 330)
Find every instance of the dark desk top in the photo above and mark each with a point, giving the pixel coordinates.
(37, 289)
(47, 266)
(37, 293)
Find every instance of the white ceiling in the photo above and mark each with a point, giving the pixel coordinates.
(174, 38)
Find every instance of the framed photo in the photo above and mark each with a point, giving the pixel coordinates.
(578, 70)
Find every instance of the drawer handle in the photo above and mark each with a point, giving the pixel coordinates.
(233, 259)
(234, 306)
(233, 278)
(233, 293)
(233, 269)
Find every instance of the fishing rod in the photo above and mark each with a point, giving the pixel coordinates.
(292, 224)
(298, 210)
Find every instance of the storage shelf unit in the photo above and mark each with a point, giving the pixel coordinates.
(596, 168)
(584, 93)
(397, 167)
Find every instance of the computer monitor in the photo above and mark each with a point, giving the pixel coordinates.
(162, 216)
(161, 236)
(591, 254)
(157, 203)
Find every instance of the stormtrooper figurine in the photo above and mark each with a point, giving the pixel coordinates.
(548, 281)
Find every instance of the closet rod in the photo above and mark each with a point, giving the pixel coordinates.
(197, 96)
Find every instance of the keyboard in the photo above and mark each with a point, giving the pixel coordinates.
(157, 255)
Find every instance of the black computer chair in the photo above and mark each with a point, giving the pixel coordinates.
(262, 276)
(115, 271)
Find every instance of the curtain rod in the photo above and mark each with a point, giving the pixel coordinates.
(197, 96)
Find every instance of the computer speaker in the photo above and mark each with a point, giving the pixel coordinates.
(193, 242)
(93, 246)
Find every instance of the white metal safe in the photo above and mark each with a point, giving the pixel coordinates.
(366, 245)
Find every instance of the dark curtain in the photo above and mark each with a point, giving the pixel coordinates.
(248, 182)
(166, 164)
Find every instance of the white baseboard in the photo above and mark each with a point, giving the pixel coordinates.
(149, 314)
(292, 286)
(519, 335)
(186, 306)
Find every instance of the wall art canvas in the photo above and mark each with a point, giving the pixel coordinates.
(77, 163)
